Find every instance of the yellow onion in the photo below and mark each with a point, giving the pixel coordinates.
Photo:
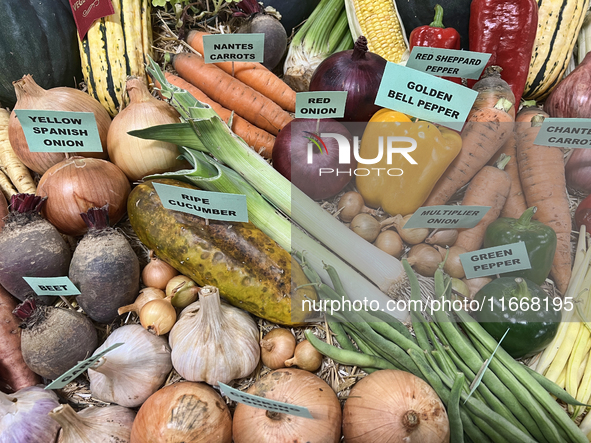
(145, 295)
(32, 96)
(305, 357)
(395, 404)
(75, 185)
(158, 316)
(140, 157)
(184, 411)
(277, 346)
(294, 386)
(157, 273)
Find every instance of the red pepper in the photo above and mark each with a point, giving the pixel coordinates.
(436, 35)
(506, 29)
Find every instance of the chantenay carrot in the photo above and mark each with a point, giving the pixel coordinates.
(483, 135)
(541, 170)
(259, 139)
(253, 74)
(489, 187)
(231, 93)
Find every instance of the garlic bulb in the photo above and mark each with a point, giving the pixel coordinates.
(214, 342)
(129, 374)
(23, 415)
(111, 424)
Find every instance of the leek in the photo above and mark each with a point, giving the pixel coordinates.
(211, 135)
(325, 32)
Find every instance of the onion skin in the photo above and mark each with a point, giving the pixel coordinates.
(75, 185)
(578, 170)
(185, 411)
(32, 96)
(356, 71)
(277, 346)
(571, 97)
(379, 403)
(290, 157)
(295, 386)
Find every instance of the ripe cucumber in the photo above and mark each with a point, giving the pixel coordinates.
(251, 271)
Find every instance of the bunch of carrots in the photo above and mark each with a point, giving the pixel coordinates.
(533, 176)
(254, 101)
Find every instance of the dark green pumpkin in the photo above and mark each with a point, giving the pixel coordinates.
(37, 37)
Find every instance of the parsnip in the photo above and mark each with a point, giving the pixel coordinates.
(16, 171)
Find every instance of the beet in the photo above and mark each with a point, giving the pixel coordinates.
(104, 268)
(54, 340)
(30, 246)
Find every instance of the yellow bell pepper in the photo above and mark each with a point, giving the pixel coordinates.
(406, 170)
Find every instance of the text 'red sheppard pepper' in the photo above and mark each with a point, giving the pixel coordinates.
(436, 35)
(398, 177)
(506, 29)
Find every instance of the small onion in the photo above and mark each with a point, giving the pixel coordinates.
(32, 96)
(135, 156)
(182, 290)
(350, 204)
(389, 241)
(453, 265)
(442, 237)
(146, 295)
(158, 316)
(183, 412)
(365, 226)
(75, 185)
(411, 236)
(424, 259)
(157, 273)
(306, 357)
(277, 346)
(394, 406)
(476, 284)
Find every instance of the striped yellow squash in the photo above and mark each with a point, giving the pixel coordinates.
(116, 47)
(559, 23)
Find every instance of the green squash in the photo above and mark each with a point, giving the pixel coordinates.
(37, 37)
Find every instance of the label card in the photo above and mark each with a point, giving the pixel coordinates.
(447, 62)
(264, 403)
(321, 104)
(71, 374)
(446, 216)
(87, 11)
(233, 48)
(496, 260)
(52, 286)
(425, 96)
(205, 204)
(565, 133)
(60, 131)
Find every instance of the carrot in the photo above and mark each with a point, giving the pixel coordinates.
(14, 373)
(260, 140)
(515, 204)
(541, 169)
(10, 163)
(490, 187)
(253, 74)
(483, 135)
(491, 87)
(231, 93)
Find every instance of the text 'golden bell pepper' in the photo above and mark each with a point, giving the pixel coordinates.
(409, 159)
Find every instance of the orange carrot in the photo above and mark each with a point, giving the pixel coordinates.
(231, 93)
(541, 169)
(260, 140)
(515, 204)
(491, 87)
(253, 74)
(483, 135)
(489, 187)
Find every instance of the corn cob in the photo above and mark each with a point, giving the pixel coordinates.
(380, 23)
(114, 48)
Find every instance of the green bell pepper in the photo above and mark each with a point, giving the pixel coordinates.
(539, 239)
(522, 307)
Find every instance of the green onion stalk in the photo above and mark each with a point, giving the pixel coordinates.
(273, 203)
(325, 32)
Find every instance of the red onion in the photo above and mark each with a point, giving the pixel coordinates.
(290, 157)
(356, 71)
(578, 170)
(583, 214)
(572, 97)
